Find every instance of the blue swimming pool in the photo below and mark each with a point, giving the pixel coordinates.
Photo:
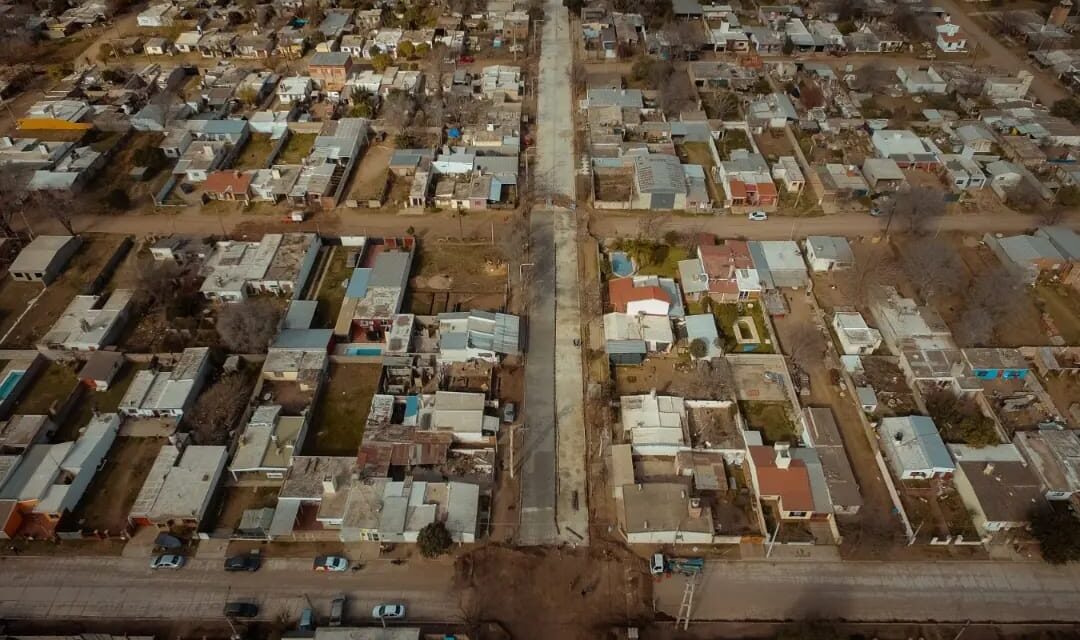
(9, 383)
(621, 265)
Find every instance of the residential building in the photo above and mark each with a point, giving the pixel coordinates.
(278, 263)
(993, 363)
(855, 336)
(267, 444)
(50, 479)
(997, 487)
(164, 394)
(918, 80)
(913, 448)
(478, 335)
(202, 158)
(730, 271)
(180, 486)
(950, 38)
(396, 511)
(646, 295)
(826, 253)
(462, 414)
(656, 424)
(663, 513)
(101, 369)
(89, 322)
(1027, 257)
(821, 433)
(883, 174)
(659, 182)
(702, 326)
(295, 89)
(746, 180)
(1054, 455)
(374, 296)
(779, 264)
(44, 258)
(784, 480)
(623, 332)
(787, 171)
(330, 69)
(840, 181)
(158, 15)
(908, 150)
(962, 172)
(229, 185)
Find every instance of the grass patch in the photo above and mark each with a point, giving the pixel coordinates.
(331, 293)
(727, 314)
(771, 419)
(296, 148)
(344, 408)
(53, 385)
(654, 258)
(256, 152)
(102, 402)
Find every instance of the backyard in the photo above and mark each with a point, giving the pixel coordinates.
(256, 153)
(343, 408)
(726, 317)
(654, 258)
(331, 292)
(114, 489)
(1062, 304)
(698, 153)
(296, 148)
(52, 386)
(771, 419)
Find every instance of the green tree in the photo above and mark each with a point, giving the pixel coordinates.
(150, 157)
(1058, 533)
(380, 61)
(788, 47)
(699, 348)
(641, 68)
(423, 49)
(406, 50)
(434, 540)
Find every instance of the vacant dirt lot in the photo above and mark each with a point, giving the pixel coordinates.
(236, 500)
(563, 594)
(369, 180)
(113, 490)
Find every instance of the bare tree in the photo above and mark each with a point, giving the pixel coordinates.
(56, 204)
(873, 77)
(987, 304)
(934, 267)
(218, 409)
(877, 268)
(1025, 196)
(914, 208)
(805, 345)
(710, 380)
(398, 108)
(12, 199)
(651, 225)
(248, 327)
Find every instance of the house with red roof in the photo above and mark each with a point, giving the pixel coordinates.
(628, 295)
(730, 271)
(792, 481)
(228, 185)
(950, 38)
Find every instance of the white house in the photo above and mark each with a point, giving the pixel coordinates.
(158, 15)
(913, 448)
(295, 89)
(167, 393)
(950, 38)
(462, 414)
(87, 324)
(856, 337)
(179, 487)
(657, 424)
(663, 513)
(825, 253)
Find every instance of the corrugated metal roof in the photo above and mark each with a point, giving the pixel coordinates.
(358, 283)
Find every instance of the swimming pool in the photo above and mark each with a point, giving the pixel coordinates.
(9, 383)
(621, 265)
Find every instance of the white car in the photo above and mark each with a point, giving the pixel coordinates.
(657, 564)
(388, 612)
(167, 561)
(331, 563)
(757, 216)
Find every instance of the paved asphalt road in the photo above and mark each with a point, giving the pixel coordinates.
(75, 588)
(939, 591)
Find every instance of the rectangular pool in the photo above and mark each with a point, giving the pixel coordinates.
(10, 380)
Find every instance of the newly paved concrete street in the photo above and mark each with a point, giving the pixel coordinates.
(940, 591)
(554, 507)
(74, 588)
